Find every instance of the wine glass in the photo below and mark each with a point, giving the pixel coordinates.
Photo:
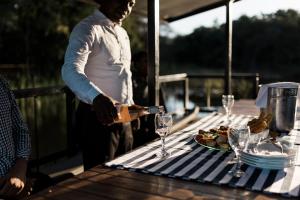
(163, 124)
(227, 101)
(238, 137)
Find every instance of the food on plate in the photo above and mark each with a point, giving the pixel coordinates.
(216, 137)
(261, 123)
(211, 143)
(224, 146)
(222, 139)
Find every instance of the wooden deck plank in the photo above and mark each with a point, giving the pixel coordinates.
(121, 184)
(36, 197)
(59, 193)
(144, 186)
(105, 190)
(202, 189)
(245, 107)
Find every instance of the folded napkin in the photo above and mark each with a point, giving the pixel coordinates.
(270, 149)
(287, 141)
(262, 97)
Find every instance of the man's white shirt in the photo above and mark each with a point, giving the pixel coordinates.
(98, 59)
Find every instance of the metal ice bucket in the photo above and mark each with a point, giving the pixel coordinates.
(282, 104)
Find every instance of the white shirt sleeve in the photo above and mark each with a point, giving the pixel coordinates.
(80, 46)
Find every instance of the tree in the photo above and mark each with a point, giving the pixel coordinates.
(260, 43)
(35, 33)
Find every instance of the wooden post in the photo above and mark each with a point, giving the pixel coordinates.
(186, 92)
(153, 52)
(228, 72)
(70, 112)
(255, 85)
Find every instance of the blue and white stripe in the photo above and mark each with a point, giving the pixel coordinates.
(194, 162)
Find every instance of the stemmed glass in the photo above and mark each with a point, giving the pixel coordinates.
(227, 101)
(238, 137)
(163, 124)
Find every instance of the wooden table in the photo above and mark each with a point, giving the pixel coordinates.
(106, 183)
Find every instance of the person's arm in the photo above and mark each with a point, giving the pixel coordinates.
(20, 132)
(80, 46)
(16, 178)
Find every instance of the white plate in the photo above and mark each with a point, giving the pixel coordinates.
(268, 157)
(262, 161)
(266, 164)
(209, 147)
(269, 151)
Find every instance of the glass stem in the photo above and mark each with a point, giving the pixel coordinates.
(239, 163)
(227, 114)
(162, 144)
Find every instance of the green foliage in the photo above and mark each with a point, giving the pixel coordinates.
(268, 44)
(204, 47)
(136, 29)
(35, 33)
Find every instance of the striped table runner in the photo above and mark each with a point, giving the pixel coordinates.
(191, 161)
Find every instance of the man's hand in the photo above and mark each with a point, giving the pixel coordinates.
(105, 109)
(15, 180)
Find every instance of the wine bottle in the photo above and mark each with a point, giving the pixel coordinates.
(128, 113)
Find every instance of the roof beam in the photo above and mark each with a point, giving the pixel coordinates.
(199, 10)
(228, 27)
(153, 52)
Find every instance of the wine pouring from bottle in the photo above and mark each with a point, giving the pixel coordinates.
(127, 113)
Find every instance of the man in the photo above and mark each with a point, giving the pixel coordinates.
(97, 70)
(14, 145)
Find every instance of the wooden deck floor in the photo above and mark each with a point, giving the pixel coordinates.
(245, 107)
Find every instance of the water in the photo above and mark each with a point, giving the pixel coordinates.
(236, 145)
(238, 138)
(162, 130)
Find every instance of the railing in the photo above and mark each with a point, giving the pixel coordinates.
(253, 77)
(71, 104)
(185, 84)
(70, 112)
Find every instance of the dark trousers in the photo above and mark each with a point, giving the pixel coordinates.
(100, 143)
(145, 133)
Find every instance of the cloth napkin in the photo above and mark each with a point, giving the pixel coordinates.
(262, 97)
(269, 149)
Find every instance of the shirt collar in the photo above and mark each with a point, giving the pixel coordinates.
(103, 19)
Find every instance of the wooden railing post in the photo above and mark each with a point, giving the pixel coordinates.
(36, 136)
(185, 84)
(70, 112)
(71, 146)
(186, 92)
(255, 85)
